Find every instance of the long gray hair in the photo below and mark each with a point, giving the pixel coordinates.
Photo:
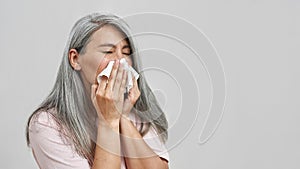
(74, 111)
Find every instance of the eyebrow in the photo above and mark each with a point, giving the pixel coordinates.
(107, 44)
(126, 46)
(112, 45)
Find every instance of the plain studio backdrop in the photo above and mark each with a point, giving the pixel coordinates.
(257, 42)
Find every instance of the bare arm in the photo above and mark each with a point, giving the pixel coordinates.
(108, 100)
(136, 151)
(107, 152)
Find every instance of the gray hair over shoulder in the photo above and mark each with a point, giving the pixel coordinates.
(72, 105)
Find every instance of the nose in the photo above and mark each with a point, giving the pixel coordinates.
(117, 55)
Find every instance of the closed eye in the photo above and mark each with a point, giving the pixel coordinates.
(107, 52)
(127, 54)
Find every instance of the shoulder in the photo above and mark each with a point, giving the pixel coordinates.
(43, 124)
(44, 118)
(42, 127)
(49, 146)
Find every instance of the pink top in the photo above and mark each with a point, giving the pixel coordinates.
(51, 151)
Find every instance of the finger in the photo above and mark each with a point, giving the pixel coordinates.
(93, 96)
(135, 85)
(119, 78)
(112, 76)
(123, 83)
(127, 107)
(93, 91)
(102, 86)
(134, 92)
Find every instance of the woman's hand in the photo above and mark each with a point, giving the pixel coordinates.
(108, 96)
(133, 95)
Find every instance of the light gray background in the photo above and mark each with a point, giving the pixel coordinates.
(258, 43)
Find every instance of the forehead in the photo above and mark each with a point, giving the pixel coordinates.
(108, 34)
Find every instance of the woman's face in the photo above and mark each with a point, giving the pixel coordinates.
(105, 44)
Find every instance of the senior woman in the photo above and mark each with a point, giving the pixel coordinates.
(89, 121)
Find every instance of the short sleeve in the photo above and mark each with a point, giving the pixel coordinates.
(152, 139)
(50, 150)
(155, 143)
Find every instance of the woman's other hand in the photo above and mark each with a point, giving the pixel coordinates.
(133, 95)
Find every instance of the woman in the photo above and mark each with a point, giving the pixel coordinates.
(88, 124)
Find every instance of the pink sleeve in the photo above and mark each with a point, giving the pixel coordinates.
(49, 149)
(152, 139)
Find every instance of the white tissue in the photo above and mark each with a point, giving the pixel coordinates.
(128, 68)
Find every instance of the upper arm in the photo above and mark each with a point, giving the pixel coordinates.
(158, 147)
(152, 140)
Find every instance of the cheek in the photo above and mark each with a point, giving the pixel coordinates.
(89, 65)
(102, 64)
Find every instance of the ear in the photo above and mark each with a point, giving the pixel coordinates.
(73, 59)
